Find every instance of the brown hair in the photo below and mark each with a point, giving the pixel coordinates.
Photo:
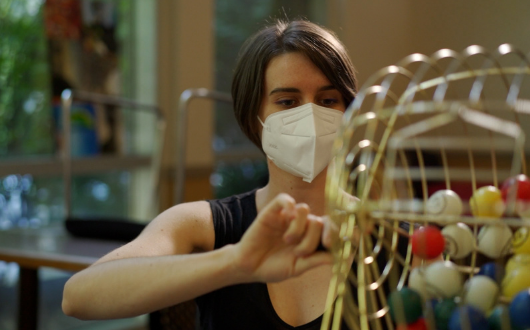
(319, 44)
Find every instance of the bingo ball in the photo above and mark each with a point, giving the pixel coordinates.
(493, 270)
(499, 318)
(520, 310)
(487, 202)
(428, 308)
(442, 280)
(417, 282)
(495, 241)
(442, 313)
(515, 281)
(521, 241)
(517, 189)
(467, 317)
(517, 261)
(427, 242)
(459, 240)
(481, 292)
(445, 202)
(405, 306)
(420, 324)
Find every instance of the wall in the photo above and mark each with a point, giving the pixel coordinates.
(378, 33)
(186, 59)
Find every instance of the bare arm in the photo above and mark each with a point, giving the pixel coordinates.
(156, 270)
(152, 271)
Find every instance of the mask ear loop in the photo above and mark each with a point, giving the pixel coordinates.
(262, 124)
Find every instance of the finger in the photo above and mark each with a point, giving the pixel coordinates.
(311, 238)
(316, 259)
(297, 227)
(283, 205)
(330, 233)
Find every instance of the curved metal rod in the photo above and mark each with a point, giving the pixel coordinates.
(117, 101)
(182, 118)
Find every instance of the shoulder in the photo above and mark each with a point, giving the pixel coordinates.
(241, 206)
(232, 216)
(197, 226)
(183, 228)
(244, 201)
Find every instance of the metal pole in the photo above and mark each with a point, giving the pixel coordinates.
(182, 117)
(66, 99)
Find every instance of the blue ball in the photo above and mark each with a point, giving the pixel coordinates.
(467, 317)
(493, 270)
(499, 318)
(520, 309)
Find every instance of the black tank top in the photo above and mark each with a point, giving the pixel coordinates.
(243, 306)
(248, 306)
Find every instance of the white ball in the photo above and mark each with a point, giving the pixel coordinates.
(417, 282)
(443, 280)
(481, 292)
(444, 202)
(459, 240)
(495, 241)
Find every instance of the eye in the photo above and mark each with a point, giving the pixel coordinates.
(329, 102)
(286, 103)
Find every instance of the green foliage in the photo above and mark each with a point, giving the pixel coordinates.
(25, 124)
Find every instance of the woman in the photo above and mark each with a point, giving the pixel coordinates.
(251, 260)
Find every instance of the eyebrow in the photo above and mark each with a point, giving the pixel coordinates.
(296, 90)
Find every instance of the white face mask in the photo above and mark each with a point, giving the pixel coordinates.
(299, 140)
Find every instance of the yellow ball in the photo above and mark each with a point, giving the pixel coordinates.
(521, 241)
(517, 261)
(487, 202)
(515, 281)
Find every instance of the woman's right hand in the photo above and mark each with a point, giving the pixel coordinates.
(281, 242)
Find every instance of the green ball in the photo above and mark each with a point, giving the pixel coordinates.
(500, 316)
(405, 306)
(442, 313)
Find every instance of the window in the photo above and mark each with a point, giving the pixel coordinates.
(47, 46)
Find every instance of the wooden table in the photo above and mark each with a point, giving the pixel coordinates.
(46, 247)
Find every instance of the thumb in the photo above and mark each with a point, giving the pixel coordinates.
(314, 260)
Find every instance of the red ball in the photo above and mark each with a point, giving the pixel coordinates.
(517, 187)
(427, 242)
(418, 325)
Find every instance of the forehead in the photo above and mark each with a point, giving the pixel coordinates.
(293, 70)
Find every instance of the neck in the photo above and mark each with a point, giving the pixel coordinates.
(313, 194)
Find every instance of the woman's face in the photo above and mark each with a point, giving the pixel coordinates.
(292, 80)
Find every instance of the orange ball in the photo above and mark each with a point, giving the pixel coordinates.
(418, 325)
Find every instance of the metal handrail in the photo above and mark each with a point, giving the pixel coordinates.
(185, 98)
(67, 97)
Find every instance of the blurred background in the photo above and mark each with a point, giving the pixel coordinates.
(151, 52)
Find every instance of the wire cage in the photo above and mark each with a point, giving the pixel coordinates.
(434, 150)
